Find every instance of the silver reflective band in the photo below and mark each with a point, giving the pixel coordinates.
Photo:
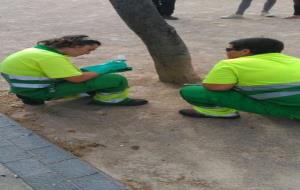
(270, 95)
(267, 87)
(29, 85)
(27, 78)
(113, 101)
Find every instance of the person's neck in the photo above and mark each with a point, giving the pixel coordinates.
(65, 51)
(43, 47)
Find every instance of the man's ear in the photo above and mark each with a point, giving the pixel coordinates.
(246, 52)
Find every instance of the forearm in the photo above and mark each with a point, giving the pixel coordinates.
(85, 76)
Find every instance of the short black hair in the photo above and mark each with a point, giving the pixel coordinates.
(258, 45)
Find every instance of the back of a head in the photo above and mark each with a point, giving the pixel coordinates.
(69, 41)
(258, 45)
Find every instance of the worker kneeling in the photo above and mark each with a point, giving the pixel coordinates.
(45, 72)
(256, 78)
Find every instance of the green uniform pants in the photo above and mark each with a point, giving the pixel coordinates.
(108, 83)
(200, 96)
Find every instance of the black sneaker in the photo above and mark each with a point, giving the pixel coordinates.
(193, 113)
(30, 101)
(126, 102)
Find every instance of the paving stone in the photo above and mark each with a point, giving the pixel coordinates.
(73, 168)
(28, 167)
(6, 121)
(44, 166)
(99, 181)
(4, 142)
(8, 181)
(12, 153)
(51, 154)
(11, 131)
(30, 141)
(50, 181)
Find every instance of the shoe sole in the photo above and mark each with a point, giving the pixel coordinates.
(199, 115)
(93, 102)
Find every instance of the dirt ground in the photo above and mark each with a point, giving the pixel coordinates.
(152, 147)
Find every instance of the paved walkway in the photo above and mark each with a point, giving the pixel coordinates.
(11, 181)
(28, 162)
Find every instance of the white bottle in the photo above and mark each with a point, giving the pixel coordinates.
(121, 58)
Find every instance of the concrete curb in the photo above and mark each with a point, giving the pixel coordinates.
(44, 166)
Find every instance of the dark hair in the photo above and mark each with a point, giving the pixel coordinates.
(258, 45)
(68, 41)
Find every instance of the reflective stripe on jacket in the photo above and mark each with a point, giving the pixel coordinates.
(283, 94)
(28, 81)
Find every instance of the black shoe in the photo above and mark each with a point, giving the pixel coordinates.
(126, 102)
(193, 113)
(133, 102)
(169, 17)
(30, 101)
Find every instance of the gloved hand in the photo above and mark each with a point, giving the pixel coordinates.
(111, 66)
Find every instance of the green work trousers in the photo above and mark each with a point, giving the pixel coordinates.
(107, 83)
(199, 96)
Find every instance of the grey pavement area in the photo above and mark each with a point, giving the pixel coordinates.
(11, 181)
(29, 162)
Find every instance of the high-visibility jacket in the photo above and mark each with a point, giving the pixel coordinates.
(35, 68)
(272, 77)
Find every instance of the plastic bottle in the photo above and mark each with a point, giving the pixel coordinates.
(121, 58)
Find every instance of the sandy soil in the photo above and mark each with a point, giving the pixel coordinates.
(152, 147)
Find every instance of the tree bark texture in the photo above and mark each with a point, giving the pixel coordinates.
(171, 56)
